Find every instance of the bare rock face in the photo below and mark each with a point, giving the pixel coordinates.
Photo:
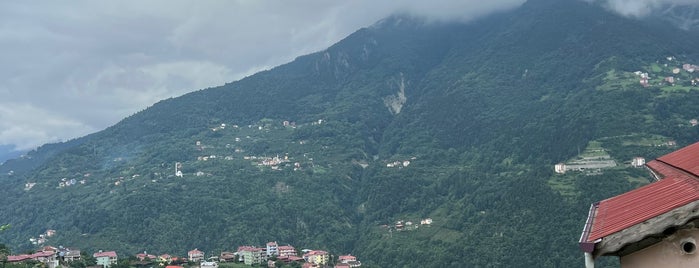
(395, 103)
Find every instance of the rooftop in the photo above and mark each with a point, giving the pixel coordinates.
(677, 187)
(111, 254)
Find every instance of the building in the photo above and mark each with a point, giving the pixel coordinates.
(48, 258)
(227, 256)
(656, 225)
(208, 264)
(638, 161)
(319, 257)
(69, 254)
(165, 258)
(251, 255)
(560, 168)
(105, 258)
(349, 260)
(287, 251)
(272, 249)
(195, 255)
(143, 256)
(670, 79)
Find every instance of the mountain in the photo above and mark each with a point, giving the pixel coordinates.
(406, 120)
(9, 152)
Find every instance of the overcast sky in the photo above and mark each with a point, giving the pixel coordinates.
(640, 8)
(70, 68)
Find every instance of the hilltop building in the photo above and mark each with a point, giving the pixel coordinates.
(656, 225)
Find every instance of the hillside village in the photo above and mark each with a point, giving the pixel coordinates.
(668, 74)
(232, 143)
(672, 73)
(270, 255)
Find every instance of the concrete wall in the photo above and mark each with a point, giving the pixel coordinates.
(677, 250)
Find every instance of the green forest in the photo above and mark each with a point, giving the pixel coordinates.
(401, 121)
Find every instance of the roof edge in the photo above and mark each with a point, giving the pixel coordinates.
(615, 242)
(584, 243)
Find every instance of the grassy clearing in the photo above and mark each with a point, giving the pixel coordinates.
(565, 186)
(644, 140)
(594, 149)
(616, 80)
(638, 180)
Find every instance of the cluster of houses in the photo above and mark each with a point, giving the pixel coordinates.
(270, 255)
(402, 225)
(65, 182)
(42, 237)
(52, 256)
(398, 164)
(689, 68)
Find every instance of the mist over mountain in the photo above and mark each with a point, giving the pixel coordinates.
(403, 121)
(8, 152)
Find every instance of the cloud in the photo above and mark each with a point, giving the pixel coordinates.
(23, 124)
(641, 8)
(72, 68)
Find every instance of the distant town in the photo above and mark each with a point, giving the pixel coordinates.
(270, 255)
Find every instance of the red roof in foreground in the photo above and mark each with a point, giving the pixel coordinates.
(679, 186)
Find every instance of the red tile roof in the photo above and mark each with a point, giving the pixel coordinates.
(315, 253)
(195, 252)
(43, 254)
(111, 254)
(16, 258)
(347, 258)
(678, 187)
(686, 159)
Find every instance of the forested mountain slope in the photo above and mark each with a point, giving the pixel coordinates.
(402, 121)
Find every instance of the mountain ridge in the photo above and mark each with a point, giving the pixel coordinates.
(481, 111)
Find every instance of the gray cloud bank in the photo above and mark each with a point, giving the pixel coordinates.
(641, 8)
(70, 68)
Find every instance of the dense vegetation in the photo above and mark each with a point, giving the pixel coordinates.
(482, 111)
